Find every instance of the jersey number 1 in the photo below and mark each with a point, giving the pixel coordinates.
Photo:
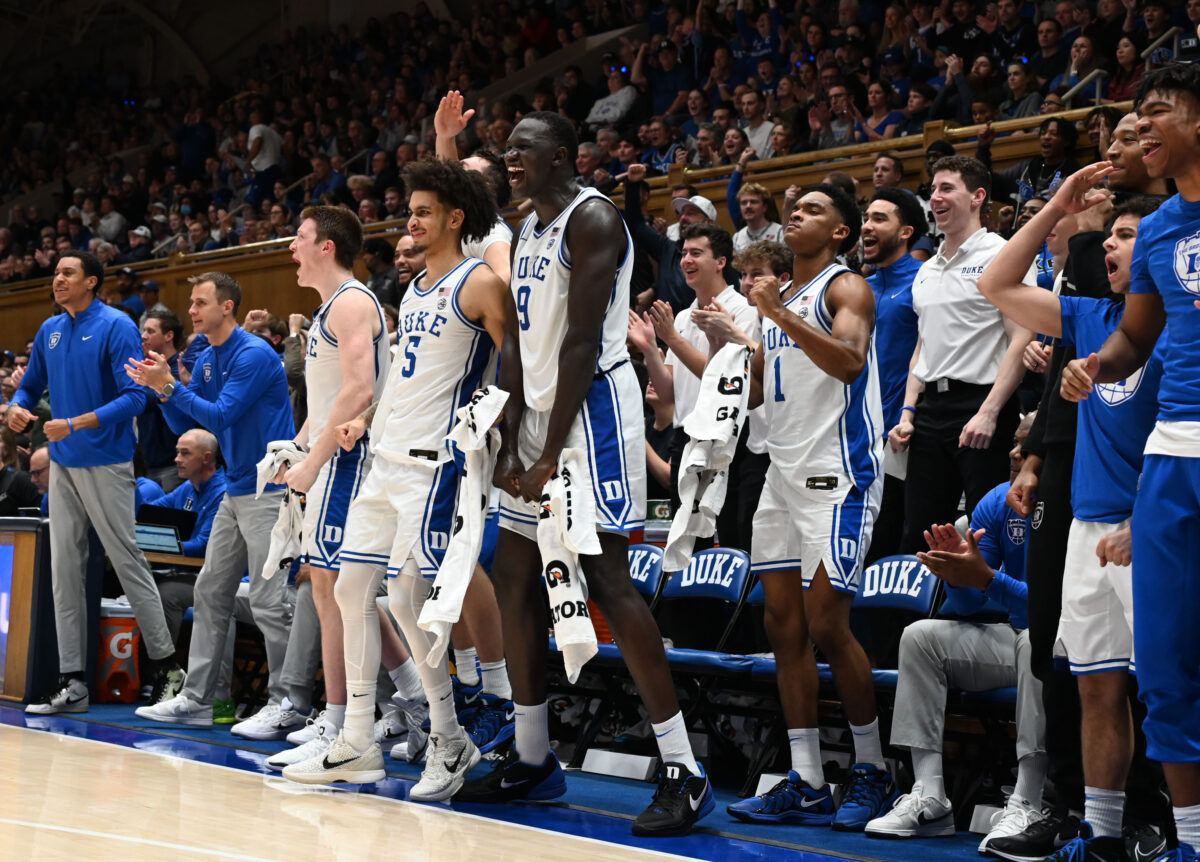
(778, 385)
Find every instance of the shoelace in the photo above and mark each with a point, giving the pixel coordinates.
(1074, 850)
(1011, 817)
(859, 789)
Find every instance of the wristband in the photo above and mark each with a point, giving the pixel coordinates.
(71, 426)
(908, 407)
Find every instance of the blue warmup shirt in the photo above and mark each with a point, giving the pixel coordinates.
(1003, 546)
(239, 393)
(1114, 421)
(204, 501)
(1166, 260)
(82, 360)
(895, 332)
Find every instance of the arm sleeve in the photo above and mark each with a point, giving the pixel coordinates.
(990, 516)
(123, 343)
(1011, 593)
(643, 235)
(196, 544)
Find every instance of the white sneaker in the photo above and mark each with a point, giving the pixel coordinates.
(178, 710)
(316, 747)
(339, 763)
(273, 721)
(71, 696)
(416, 713)
(915, 816)
(1017, 816)
(307, 733)
(447, 763)
(391, 727)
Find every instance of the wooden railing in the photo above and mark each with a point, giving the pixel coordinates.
(268, 275)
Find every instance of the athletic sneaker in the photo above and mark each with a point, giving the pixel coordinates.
(510, 779)
(1085, 847)
(791, 800)
(71, 695)
(316, 747)
(1016, 816)
(869, 794)
(339, 763)
(224, 711)
(178, 710)
(391, 727)
(492, 723)
(682, 798)
(1182, 853)
(1143, 843)
(416, 717)
(273, 721)
(168, 682)
(447, 763)
(307, 733)
(1040, 839)
(914, 816)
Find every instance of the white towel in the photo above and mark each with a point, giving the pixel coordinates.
(287, 533)
(479, 441)
(714, 426)
(566, 529)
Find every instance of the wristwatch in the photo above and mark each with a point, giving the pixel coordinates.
(168, 389)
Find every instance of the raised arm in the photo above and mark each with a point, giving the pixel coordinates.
(449, 121)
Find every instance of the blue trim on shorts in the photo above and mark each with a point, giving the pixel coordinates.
(603, 430)
(346, 478)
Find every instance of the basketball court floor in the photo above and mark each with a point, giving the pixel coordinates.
(106, 786)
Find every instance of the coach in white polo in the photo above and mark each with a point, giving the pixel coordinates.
(959, 410)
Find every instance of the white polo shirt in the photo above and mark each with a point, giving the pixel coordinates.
(962, 333)
(687, 384)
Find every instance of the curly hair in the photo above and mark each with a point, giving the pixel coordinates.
(458, 189)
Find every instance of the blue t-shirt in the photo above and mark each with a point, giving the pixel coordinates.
(1114, 421)
(1003, 547)
(895, 332)
(239, 393)
(1166, 260)
(82, 360)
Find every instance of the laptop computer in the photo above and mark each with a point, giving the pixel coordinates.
(160, 529)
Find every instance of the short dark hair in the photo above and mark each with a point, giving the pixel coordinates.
(691, 190)
(225, 285)
(458, 189)
(718, 238)
(847, 209)
(562, 132)
(379, 247)
(776, 255)
(340, 226)
(908, 209)
(974, 175)
(1176, 78)
(843, 181)
(168, 321)
(496, 176)
(897, 162)
(1136, 205)
(91, 265)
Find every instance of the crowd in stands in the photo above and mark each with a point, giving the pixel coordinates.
(724, 84)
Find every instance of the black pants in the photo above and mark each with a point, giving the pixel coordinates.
(940, 471)
(889, 524)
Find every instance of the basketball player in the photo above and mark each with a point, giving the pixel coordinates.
(570, 384)
(346, 363)
(450, 318)
(1164, 287)
(815, 372)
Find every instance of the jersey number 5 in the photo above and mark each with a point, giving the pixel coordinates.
(410, 355)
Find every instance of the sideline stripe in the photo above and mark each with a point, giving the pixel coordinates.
(189, 848)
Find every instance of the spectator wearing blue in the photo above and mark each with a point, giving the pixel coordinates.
(323, 178)
(78, 354)
(667, 85)
(663, 147)
(984, 573)
(762, 41)
(239, 392)
(893, 225)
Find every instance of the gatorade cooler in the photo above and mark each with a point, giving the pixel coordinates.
(117, 659)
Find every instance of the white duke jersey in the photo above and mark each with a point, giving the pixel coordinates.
(322, 364)
(540, 280)
(440, 360)
(817, 425)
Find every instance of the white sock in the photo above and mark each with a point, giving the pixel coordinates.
(805, 743)
(442, 718)
(1031, 778)
(1104, 809)
(407, 680)
(927, 771)
(673, 743)
(464, 666)
(335, 714)
(867, 746)
(532, 733)
(1187, 824)
(495, 678)
(358, 720)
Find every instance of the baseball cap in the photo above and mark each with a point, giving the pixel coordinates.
(142, 231)
(126, 270)
(700, 202)
(150, 285)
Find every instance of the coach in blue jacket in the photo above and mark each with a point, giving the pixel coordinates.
(238, 391)
(79, 354)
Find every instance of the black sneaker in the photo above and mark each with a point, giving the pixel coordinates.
(168, 682)
(1087, 848)
(681, 799)
(71, 695)
(1144, 844)
(510, 779)
(1039, 841)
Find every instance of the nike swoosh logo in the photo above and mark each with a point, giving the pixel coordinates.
(76, 699)
(510, 714)
(86, 337)
(453, 767)
(359, 694)
(506, 784)
(328, 764)
(444, 696)
(924, 818)
(696, 801)
(1140, 852)
(810, 803)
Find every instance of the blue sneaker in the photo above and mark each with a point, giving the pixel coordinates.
(682, 798)
(1182, 853)
(466, 700)
(491, 724)
(869, 793)
(792, 800)
(511, 780)
(1086, 847)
